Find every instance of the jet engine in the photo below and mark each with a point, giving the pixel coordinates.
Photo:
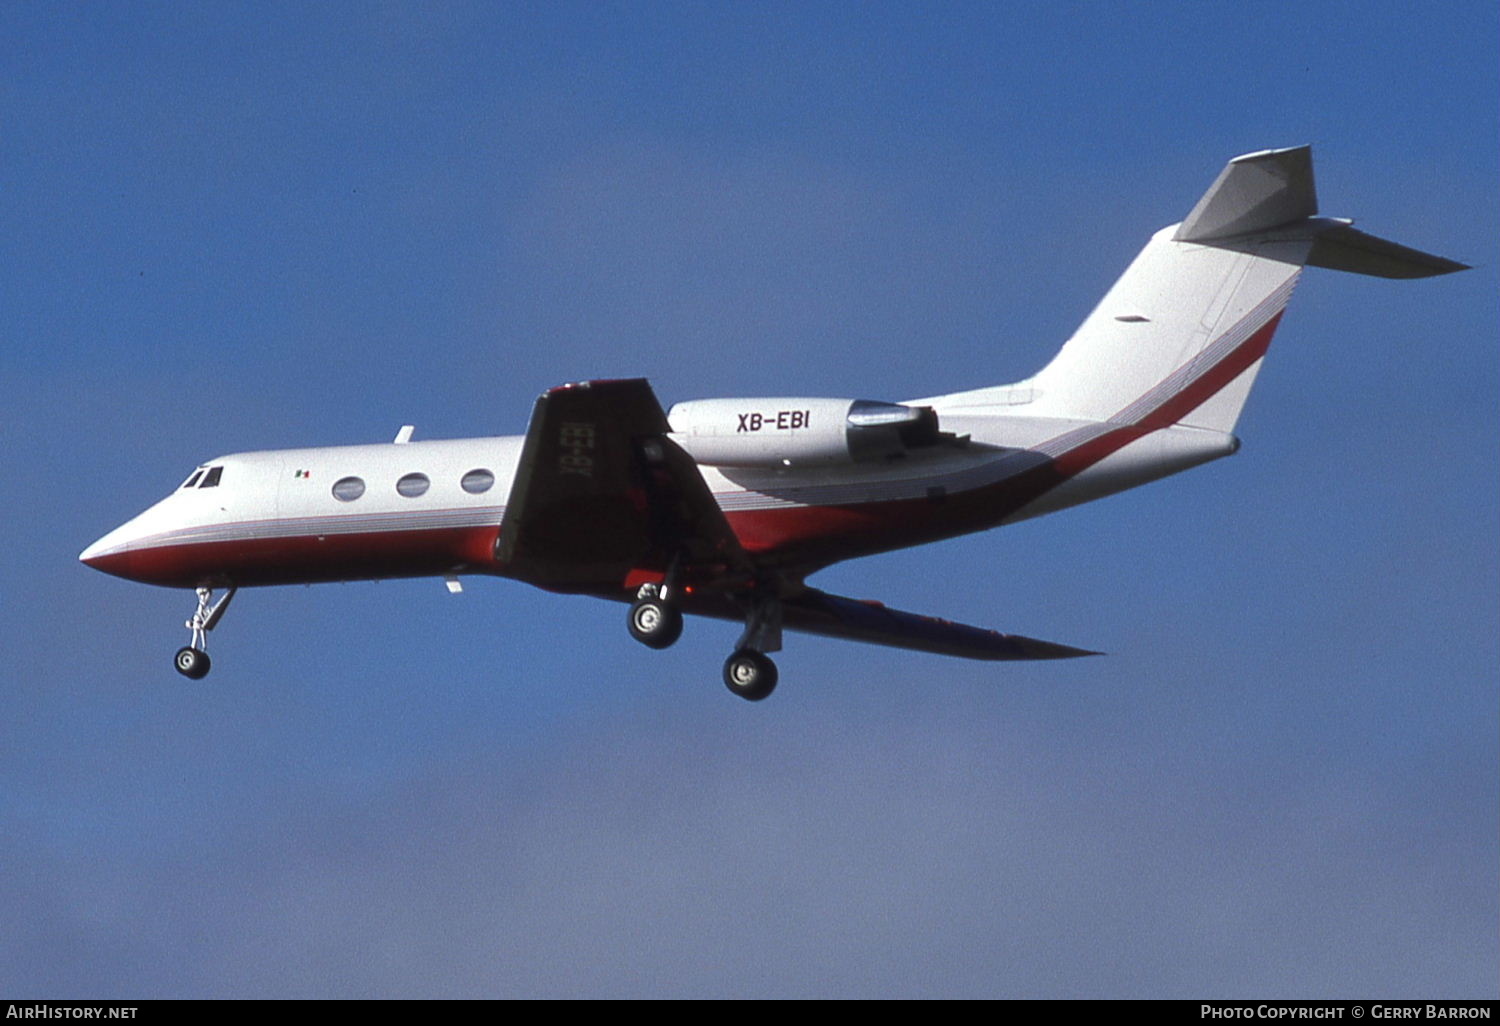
(791, 432)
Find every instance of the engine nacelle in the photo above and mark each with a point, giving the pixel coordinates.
(791, 432)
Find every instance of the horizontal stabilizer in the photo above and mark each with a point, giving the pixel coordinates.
(1343, 248)
(817, 612)
(1272, 189)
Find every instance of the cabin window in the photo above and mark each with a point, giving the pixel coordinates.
(413, 485)
(477, 482)
(194, 479)
(347, 489)
(211, 479)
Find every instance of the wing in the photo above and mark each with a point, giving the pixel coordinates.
(600, 491)
(817, 612)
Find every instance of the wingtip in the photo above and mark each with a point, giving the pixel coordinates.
(1035, 648)
(1052, 650)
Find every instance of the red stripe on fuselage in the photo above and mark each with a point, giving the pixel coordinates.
(815, 536)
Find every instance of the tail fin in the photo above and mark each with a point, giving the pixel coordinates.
(1180, 336)
(1254, 193)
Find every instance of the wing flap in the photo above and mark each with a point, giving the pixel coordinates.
(817, 612)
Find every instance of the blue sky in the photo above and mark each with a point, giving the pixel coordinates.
(235, 227)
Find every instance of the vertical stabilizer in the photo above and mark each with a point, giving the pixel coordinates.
(1254, 193)
(1184, 323)
(1179, 338)
(1190, 319)
(1183, 330)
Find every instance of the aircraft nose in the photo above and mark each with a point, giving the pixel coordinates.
(123, 551)
(110, 554)
(147, 549)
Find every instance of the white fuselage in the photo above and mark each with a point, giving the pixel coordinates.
(276, 516)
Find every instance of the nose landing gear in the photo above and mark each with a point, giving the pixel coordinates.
(192, 660)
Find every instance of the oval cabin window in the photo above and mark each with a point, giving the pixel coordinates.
(413, 485)
(347, 489)
(476, 482)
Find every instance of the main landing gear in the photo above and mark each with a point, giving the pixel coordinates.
(749, 672)
(192, 660)
(656, 622)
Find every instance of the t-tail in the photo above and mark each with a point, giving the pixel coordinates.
(1180, 337)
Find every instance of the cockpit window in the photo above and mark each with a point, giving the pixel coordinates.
(211, 479)
(194, 479)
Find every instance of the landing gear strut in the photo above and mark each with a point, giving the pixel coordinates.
(192, 660)
(749, 672)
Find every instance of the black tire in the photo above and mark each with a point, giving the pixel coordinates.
(192, 663)
(654, 623)
(750, 674)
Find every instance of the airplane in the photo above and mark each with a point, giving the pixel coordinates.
(723, 507)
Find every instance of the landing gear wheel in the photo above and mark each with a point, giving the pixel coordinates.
(654, 623)
(192, 663)
(750, 674)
